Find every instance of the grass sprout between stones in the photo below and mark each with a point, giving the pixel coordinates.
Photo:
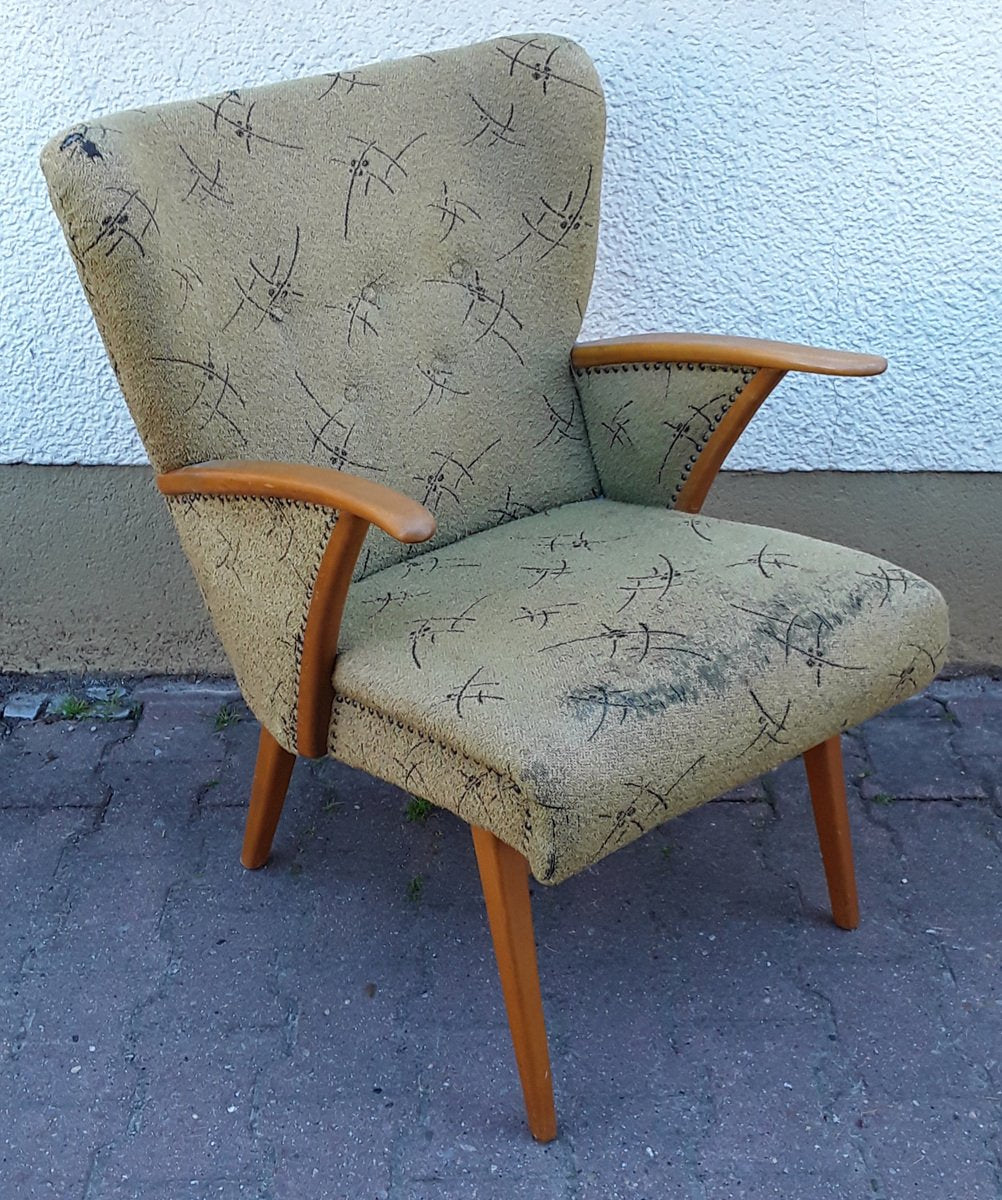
(418, 809)
(226, 717)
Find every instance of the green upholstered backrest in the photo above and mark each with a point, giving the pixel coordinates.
(381, 270)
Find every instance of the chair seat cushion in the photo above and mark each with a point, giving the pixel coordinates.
(574, 678)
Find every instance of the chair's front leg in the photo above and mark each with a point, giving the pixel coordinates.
(504, 874)
(271, 781)
(826, 780)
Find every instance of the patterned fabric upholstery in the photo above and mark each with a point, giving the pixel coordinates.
(383, 270)
(256, 561)
(575, 678)
(649, 422)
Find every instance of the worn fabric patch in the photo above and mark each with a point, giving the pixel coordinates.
(573, 679)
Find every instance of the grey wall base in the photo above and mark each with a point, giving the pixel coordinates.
(92, 579)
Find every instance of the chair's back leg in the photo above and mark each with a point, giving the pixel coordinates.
(504, 874)
(271, 781)
(826, 779)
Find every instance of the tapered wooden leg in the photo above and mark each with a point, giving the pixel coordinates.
(826, 779)
(271, 781)
(504, 874)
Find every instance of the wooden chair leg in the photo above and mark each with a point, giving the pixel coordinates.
(826, 780)
(504, 874)
(271, 781)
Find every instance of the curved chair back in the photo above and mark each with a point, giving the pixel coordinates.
(381, 270)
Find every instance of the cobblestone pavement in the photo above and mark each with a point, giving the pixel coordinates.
(174, 1027)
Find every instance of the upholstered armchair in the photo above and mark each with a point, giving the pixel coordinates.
(439, 540)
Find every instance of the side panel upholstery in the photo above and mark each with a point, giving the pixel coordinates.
(649, 422)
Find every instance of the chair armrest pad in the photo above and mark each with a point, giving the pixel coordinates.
(720, 349)
(398, 515)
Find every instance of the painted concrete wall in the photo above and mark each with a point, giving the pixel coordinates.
(797, 169)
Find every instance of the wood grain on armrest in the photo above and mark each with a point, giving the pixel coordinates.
(720, 349)
(359, 502)
(398, 515)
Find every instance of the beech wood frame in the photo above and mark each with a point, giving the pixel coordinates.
(503, 871)
(360, 503)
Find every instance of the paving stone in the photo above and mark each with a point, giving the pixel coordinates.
(977, 971)
(821, 1171)
(40, 1159)
(437, 1187)
(976, 1038)
(953, 898)
(231, 987)
(118, 712)
(778, 1061)
(151, 812)
(979, 725)
(55, 765)
(914, 759)
(708, 861)
(953, 859)
(24, 706)
(963, 686)
(32, 842)
(934, 1148)
(891, 1025)
(352, 983)
(200, 693)
(792, 853)
(736, 974)
(231, 782)
(120, 895)
(360, 1036)
(471, 1137)
(786, 785)
(14, 1020)
(61, 1096)
(86, 1085)
(434, 980)
(332, 1119)
(195, 1103)
(752, 791)
(338, 1152)
(180, 724)
(716, 858)
(649, 1144)
(854, 756)
(780, 1068)
(922, 705)
(87, 986)
(126, 1186)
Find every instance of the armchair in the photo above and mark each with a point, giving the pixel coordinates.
(440, 540)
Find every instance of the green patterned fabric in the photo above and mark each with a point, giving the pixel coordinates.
(574, 679)
(649, 422)
(380, 270)
(255, 561)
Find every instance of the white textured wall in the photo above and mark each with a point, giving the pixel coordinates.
(799, 169)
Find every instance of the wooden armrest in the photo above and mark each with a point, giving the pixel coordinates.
(398, 515)
(729, 351)
(359, 502)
